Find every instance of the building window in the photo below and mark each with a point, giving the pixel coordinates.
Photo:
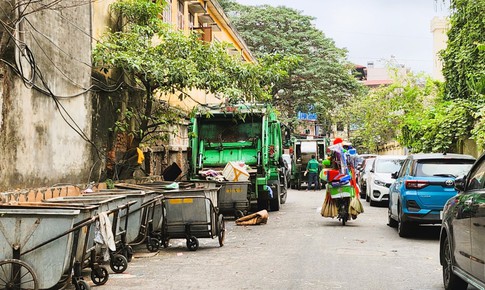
(191, 20)
(167, 12)
(180, 15)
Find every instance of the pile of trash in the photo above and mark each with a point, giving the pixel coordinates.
(257, 218)
(233, 171)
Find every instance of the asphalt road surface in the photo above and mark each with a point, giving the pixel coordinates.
(296, 249)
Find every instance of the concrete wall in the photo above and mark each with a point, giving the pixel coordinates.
(439, 27)
(470, 147)
(37, 146)
(392, 148)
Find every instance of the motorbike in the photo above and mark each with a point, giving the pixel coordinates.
(343, 209)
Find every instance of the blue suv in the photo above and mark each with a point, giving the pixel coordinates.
(421, 188)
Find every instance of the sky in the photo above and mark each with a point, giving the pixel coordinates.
(375, 31)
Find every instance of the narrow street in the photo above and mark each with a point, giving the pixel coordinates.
(296, 249)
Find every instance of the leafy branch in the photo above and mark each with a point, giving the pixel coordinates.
(163, 61)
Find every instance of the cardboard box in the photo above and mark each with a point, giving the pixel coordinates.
(234, 172)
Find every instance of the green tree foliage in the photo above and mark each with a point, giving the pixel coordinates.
(383, 112)
(160, 60)
(438, 128)
(321, 81)
(463, 61)
(464, 70)
(440, 121)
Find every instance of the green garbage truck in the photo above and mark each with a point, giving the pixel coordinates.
(249, 135)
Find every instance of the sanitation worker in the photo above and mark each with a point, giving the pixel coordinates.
(312, 172)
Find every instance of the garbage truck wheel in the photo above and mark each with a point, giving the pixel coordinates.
(284, 190)
(192, 243)
(274, 203)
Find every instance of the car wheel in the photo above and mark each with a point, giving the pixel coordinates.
(363, 193)
(372, 202)
(403, 227)
(450, 280)
(390, 221)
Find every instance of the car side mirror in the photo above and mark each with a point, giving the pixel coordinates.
(394, 175)
(460, 183)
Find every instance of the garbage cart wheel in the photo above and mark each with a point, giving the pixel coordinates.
(238, 214)
(222, 230)
(192, 243)
(18, 275)
(118, 263)
(82, 285)
(165, 243)
(128, 253)
(99, 276)
(153, 244)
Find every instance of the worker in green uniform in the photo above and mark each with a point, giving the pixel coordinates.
(312, 172)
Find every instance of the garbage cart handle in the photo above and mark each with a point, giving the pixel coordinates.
(75, 228)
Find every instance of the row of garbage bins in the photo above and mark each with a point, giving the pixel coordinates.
(49, 243)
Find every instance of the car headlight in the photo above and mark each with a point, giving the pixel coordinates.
(380, 183)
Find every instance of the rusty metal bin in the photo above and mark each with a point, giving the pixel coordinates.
(36, 246)
(233, 198)
(117, 208)
(136, 214)
(156, 213)
(190, 215)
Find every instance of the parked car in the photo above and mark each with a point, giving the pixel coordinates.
(379, 178)
(462, 237)
(359, 168)
(422, 187)
(362, 178)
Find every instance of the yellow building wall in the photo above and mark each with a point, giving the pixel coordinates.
(439, 28)
(101, 22)
(101, 19)
(226, 34)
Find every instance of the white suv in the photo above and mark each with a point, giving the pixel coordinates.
(379, 178)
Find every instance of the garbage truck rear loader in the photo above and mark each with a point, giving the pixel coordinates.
(302, 150)
(248, 134)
